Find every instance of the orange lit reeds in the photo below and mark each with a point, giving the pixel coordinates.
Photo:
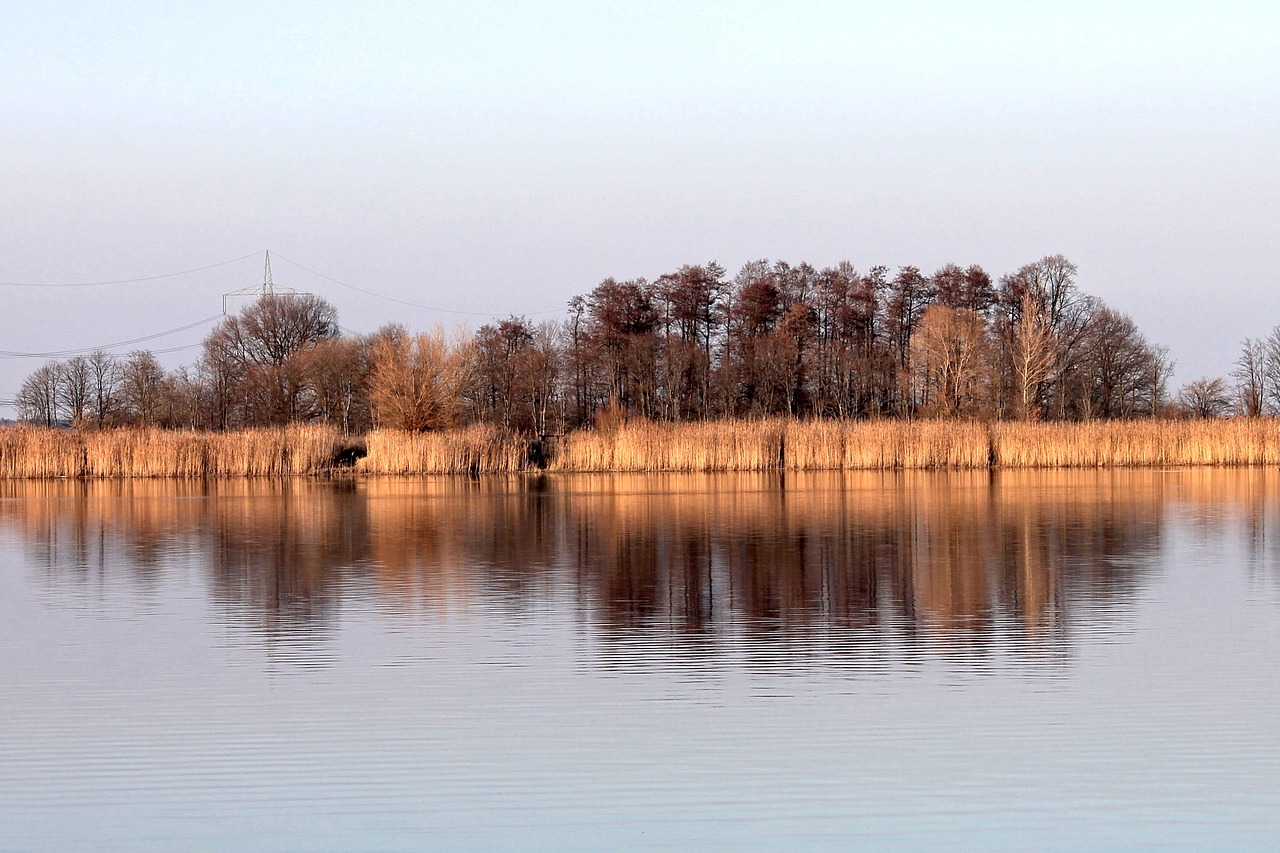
(760, 445)
(886, 445)
(641, 446)
(470, 450)
(34, 452)
(48, 453)
(278, 451)
(1113, 444)
(144, 453)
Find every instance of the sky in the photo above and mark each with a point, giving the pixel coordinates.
(488, 159)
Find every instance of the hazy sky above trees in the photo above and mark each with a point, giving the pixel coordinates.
(499, 158)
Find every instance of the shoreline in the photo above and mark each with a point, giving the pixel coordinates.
(772, 444)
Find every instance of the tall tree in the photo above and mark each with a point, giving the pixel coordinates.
(142, 389)
(948, 359)
(418, 381)
(40, 397)
(256, 352)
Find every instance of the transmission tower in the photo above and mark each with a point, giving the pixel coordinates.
(267, 288)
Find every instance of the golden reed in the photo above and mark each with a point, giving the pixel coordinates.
(29, 452)
(640, 446)
(1114, 444)
(471, 450)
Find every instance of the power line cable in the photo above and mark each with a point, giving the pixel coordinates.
(5, 354)
(126, 280)
(402, 301)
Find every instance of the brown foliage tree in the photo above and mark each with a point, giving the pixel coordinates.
(417, 381)
(253, 359)
(948, 357)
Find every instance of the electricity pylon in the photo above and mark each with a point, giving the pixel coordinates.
(267, 288)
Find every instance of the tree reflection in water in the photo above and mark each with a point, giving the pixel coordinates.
(956, 554)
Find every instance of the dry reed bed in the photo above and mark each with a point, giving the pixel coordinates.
(761, 445)
(886, 445)
(28, 452)
(1114, 444)
(472, 450)
(642, 446)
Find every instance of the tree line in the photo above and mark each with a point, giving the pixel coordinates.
(693, 344)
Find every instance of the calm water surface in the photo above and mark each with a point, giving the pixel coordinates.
(1011, 660)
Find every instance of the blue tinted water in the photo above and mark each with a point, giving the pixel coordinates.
(1052, 661)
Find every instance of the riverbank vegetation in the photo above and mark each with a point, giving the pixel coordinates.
(692, 345)
(766, 444)
(42, 452)
(779, 367)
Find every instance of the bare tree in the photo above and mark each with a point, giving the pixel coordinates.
(417, 382)
(76, 389)
(1251, 377)
(947, 359)
(252, 357)
(142, 388)
(40, 396)
(1205, 398)
(1033, 356)
(1115, 367)
(104, 379)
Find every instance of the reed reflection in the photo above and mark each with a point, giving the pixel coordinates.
(959, 553)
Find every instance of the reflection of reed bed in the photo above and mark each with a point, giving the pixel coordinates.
(281, 451)
(471, 450)
(952, 549)
(428, 536)
(273, 545)
(955, 549)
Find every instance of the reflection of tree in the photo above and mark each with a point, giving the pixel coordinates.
(960, 554)
(281, 547)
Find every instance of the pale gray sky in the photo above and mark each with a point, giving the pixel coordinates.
(501, 157)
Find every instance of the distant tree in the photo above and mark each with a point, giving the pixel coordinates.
(500, 380)
(541, 369)
(1251, 377)
(1271, 373)
(970, 289)
(907, 296)
(1032, 358)
(692, 303)
(578, 356)
(622, 322)
(142, 389)
(252, 358)
(1115, 367)
(417, 381)
(844, 324)
(104, 381)
(1205, 398)
(1157, 380)
(40, 396)
(76, 390)
(948, 357)
(335, 374)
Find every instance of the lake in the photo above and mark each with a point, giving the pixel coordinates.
(988, 660)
